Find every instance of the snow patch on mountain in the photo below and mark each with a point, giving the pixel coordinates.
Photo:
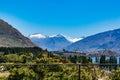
(37, 36)
(67, 37)
(59, 35)
(73, 39)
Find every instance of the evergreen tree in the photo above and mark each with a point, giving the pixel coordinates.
(113, 62)
(102, 61)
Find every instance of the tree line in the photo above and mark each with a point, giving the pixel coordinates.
(35, 55)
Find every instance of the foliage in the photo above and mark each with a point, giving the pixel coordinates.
(103, 59)
(113, 60)
(79, 59)
(115, 75)
(22, 73)
(36, 55)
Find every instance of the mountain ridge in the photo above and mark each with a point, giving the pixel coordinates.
(101, 41)
(51, 43)
(11, 37)
(38, 35)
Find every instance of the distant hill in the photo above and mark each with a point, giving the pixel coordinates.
(51, 43)
(11, 37)
(98, 42)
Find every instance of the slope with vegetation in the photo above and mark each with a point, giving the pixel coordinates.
(24, 64)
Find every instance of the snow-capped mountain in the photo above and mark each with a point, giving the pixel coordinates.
(52, 43)
(40, 36)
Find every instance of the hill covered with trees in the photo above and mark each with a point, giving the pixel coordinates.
(33, 63)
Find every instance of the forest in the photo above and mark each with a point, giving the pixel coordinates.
(33, 63)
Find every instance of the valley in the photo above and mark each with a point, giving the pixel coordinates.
(59, 39)
(23, 59)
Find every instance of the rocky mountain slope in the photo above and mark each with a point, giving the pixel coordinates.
(11, 37)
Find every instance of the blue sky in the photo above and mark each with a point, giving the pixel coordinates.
(73, 18)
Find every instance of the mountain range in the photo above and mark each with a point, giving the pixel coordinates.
(52, 43)
(98, 42)
(11, 37)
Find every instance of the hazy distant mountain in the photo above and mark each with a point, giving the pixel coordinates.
(10, 37)
(101, 41)
(56, 42)
(39, 36)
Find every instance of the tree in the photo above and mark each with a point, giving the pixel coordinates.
(97, 59)
(113, 61)
(115, 75)
(13, 58)
(89, 60)
(23, 73)
(102, 61)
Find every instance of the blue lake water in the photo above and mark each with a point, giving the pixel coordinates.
(107, 58)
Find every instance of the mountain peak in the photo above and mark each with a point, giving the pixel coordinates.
(41, 36)
(55, 42)
(58, 35)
